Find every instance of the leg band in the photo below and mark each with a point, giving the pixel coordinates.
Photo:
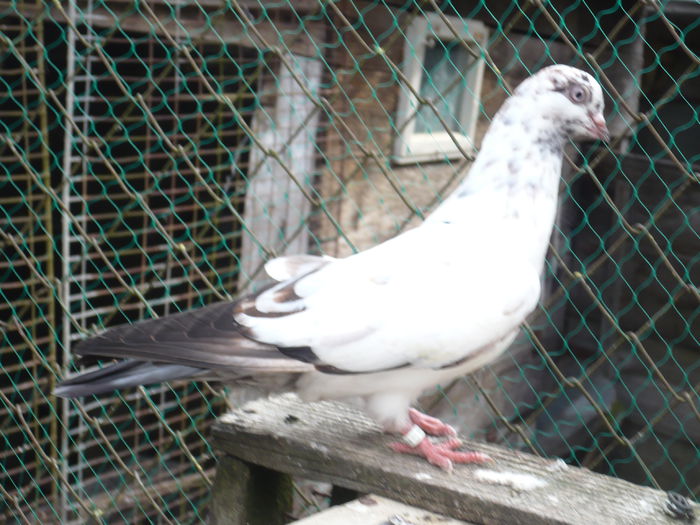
(414, 436)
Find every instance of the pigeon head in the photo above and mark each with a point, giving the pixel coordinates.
(569, 97)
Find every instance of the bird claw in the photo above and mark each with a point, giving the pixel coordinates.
(441, 454)
(431, 425)
(452, 443)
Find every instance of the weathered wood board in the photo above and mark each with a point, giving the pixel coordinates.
(375, 510)
(331, 442)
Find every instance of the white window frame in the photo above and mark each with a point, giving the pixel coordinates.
(410, 146)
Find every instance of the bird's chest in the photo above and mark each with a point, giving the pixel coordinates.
(527, 225)
(517, 229)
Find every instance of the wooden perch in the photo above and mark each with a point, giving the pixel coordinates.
(331, 442)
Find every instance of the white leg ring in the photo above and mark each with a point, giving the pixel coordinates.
(414, 436)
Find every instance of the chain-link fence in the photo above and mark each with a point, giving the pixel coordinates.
(154, 154)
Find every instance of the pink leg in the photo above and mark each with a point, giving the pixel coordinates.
(443, 454)
(431, 425)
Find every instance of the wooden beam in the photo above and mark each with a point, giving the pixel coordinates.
(330, 442)
(246, 494)
(275, 207)
(220, 27)
(375, 510)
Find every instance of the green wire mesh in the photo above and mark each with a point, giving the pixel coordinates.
(155, 154)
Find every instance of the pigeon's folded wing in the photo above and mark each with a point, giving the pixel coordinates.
(418, 300)
(394, 306)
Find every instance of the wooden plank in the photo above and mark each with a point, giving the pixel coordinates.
(275, 206)
(375, 510)
(246, 494)
(331, 442)
(217, 27)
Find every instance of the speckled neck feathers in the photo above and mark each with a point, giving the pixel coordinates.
(512, 187)
(518, 168)
(522, 151)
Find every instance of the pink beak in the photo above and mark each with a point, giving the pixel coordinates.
(599, 130)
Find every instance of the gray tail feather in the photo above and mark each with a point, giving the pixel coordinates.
(124, 374)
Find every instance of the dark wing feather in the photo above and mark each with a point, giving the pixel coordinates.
(207, 337)
(124, 374)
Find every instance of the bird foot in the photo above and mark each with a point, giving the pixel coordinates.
(441, 454)
(431, 425)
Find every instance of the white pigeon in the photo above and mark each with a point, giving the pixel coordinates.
(382, 326)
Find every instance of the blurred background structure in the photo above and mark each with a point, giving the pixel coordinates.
(155, 153)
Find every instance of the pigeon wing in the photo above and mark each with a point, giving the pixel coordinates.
(408, 302)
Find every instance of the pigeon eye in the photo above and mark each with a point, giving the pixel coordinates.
(577, 94)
